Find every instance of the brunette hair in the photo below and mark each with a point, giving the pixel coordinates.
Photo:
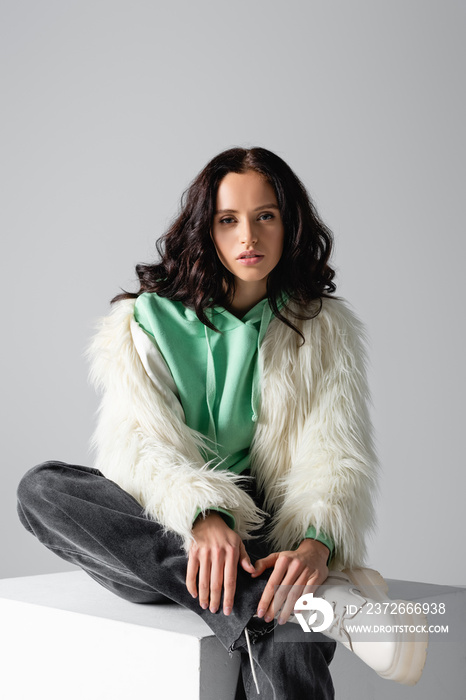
(190, 270)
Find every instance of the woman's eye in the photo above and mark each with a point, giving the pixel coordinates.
(230, 219)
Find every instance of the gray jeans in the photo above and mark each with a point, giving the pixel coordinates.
(90, 521)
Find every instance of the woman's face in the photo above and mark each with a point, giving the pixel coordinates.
(247, 228)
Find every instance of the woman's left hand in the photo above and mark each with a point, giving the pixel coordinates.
(295, 573)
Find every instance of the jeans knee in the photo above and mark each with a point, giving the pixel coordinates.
(34, 482)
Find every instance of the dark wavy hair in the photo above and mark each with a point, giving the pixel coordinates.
(190, 270)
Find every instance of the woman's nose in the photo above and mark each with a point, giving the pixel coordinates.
(247, 234)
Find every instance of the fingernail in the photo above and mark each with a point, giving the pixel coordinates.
(227, 611)
(213, 610)
(260, 612)
(204, 606)
(268, 618)
(281, 620)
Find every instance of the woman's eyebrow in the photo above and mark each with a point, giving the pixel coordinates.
(234, 211)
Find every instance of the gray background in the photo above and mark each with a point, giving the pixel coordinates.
(110, 108)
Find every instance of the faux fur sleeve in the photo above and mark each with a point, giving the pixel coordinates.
(143, 443)
(330, 478)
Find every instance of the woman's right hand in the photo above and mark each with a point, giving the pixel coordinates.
(214, 556)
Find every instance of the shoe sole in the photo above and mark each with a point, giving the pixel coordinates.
(411, 652)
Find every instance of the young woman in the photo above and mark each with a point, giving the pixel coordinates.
(235, 462)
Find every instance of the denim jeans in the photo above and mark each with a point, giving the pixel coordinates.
(90, 521)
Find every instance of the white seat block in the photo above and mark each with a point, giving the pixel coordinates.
(63, 636)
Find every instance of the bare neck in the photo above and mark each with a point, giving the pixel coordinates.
(247, 296)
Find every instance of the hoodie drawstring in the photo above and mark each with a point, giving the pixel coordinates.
(210, 387)
(255, 394)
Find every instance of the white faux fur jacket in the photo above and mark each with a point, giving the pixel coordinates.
(312, 452)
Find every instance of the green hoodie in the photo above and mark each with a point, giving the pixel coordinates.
(216, 374)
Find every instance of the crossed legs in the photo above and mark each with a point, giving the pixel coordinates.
(90, 521)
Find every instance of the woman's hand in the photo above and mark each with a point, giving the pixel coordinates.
(303, 569)
(215, 555)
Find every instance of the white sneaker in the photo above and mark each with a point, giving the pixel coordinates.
(359, 597)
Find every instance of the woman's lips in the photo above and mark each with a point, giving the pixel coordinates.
(251, 260)
(249, 257)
